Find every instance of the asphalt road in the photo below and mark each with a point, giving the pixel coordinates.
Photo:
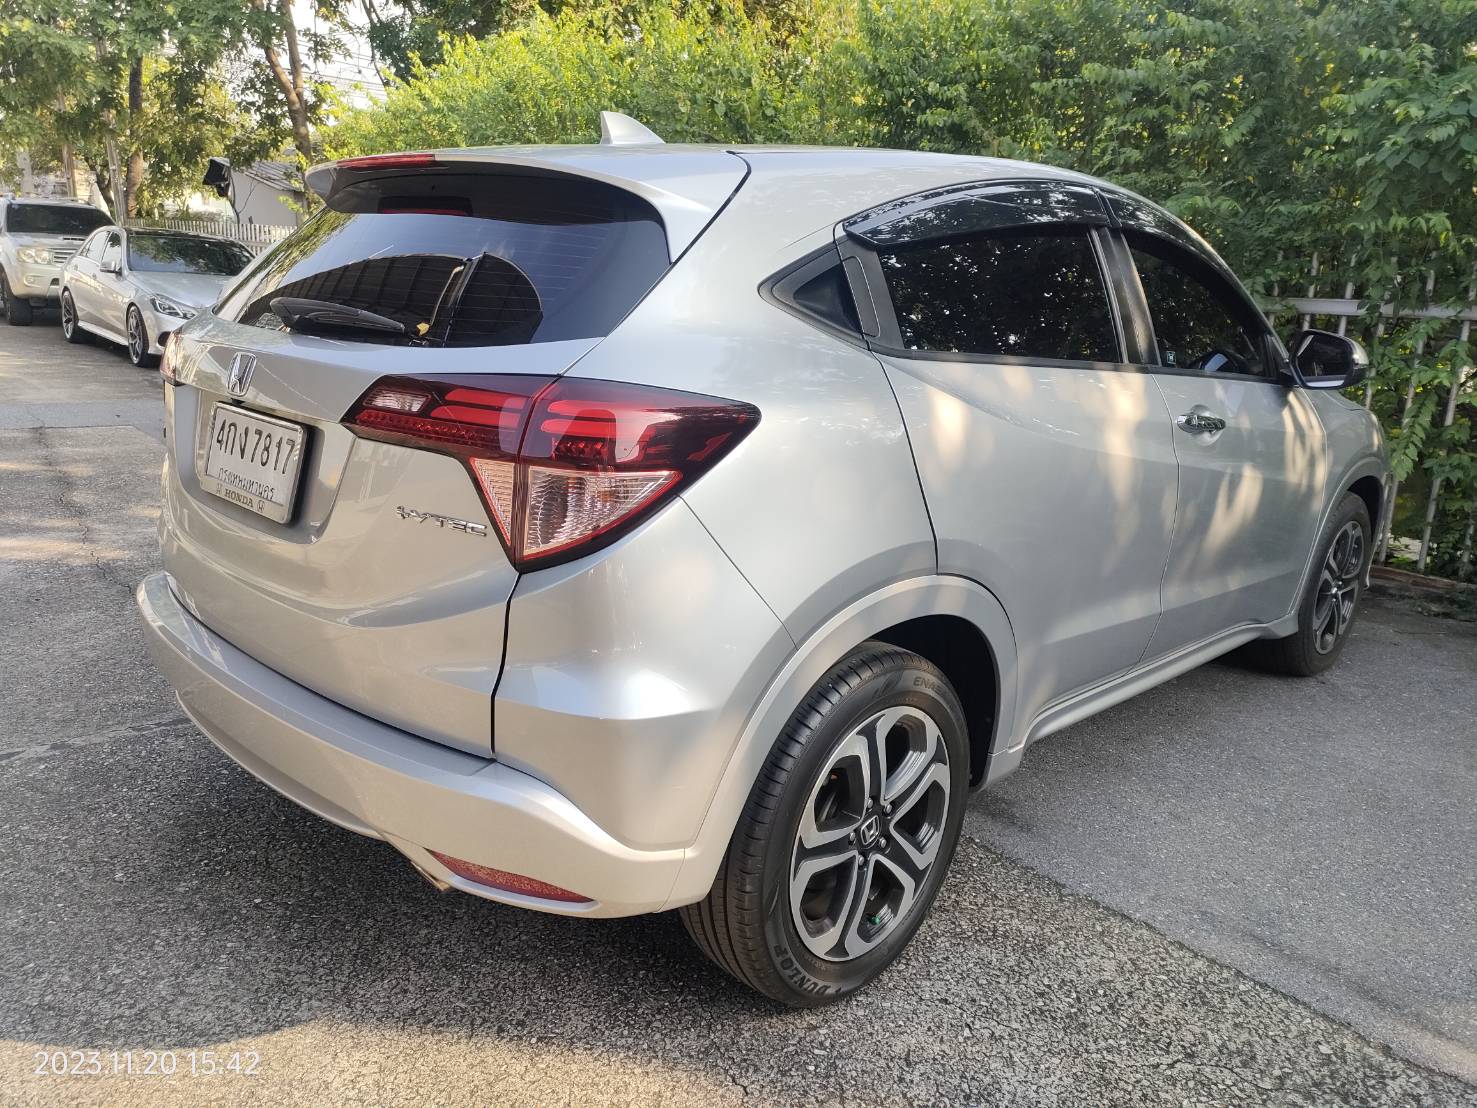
(1232, 890)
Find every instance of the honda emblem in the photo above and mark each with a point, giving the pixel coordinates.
(239, 380)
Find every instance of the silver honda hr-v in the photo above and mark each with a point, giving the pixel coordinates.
(619, 528)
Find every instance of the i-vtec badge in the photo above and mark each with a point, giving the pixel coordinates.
(442, 521)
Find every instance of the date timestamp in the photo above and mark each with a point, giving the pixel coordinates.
(145, 1063)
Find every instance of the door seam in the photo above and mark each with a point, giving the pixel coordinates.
(1174, 522)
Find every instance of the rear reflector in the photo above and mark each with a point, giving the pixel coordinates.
(508, 882)
(564, 465)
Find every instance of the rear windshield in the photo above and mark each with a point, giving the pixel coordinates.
(467, 260)
(185, 254)
(53, 219)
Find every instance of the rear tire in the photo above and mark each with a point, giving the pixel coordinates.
(1330, 599)
(847, 833)
(18, 312)
(71, 330)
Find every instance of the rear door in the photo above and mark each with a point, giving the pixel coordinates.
(110, 290)
(82, 273)
(1251, 449)
(89, 295)
(1045, 460)
(383, 585)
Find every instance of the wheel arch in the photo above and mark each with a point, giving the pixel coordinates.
(962, 651)
(934, 612)
(1367, 477)
(1371, 490)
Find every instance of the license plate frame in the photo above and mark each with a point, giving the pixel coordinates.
(243, 481)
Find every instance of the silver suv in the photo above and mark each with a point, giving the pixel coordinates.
(619, 528)
(38, 237)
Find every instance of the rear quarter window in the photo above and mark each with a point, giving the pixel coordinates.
(468, 259)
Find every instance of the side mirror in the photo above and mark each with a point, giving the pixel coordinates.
(112, 267)
(1325, 360)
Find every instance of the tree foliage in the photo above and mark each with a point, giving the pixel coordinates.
(1286, 131)
(137, 88)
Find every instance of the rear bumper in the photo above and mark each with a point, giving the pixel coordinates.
(379, 781)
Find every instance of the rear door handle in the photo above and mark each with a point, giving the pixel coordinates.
(1198, 421)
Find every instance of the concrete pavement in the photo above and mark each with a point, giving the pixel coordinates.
(1155, 910)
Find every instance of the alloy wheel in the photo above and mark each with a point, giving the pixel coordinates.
(869, 833)
(69, 316)
(136, 349)
(1338, 587)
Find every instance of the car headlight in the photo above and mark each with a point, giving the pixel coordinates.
(36, 255)
(165, 306)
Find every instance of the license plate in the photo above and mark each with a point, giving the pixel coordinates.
(252, 461)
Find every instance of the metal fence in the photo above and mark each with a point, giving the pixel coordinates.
(1454, 323)
(254, 236)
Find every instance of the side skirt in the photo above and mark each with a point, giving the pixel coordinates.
(121, 340)
(1078, 706)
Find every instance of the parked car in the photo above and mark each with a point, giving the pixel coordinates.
(36, 238)
(136, 287)
(619, 528)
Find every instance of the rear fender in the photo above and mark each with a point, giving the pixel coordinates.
(913, 598)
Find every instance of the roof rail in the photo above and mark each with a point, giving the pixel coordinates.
(621, 130)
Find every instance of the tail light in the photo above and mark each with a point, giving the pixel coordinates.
(169, 363)
(388, 161)
(564, 465)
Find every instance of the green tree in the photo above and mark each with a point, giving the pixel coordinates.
(695, 74)
(1284, 130)
(81, 76)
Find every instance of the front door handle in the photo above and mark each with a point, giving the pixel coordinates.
(1198, 421)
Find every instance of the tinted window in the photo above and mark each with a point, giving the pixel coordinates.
(93, 248)
(185, 254)
(53, 219)
(1024, 292)
(967, 209)
(1200, 322)
(113, 251)
(827, 296)
(464, 260)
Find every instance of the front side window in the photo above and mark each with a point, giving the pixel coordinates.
(112, 252)
(1024, 292)
(150, 253)
(1200, 322)
(53, 219)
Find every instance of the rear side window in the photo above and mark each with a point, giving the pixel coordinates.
(1023, 292)
(468, 260)
(53, 219)
(92, 249)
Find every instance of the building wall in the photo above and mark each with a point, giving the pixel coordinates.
(258, 202)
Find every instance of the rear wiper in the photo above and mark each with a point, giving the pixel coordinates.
(297, 313)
